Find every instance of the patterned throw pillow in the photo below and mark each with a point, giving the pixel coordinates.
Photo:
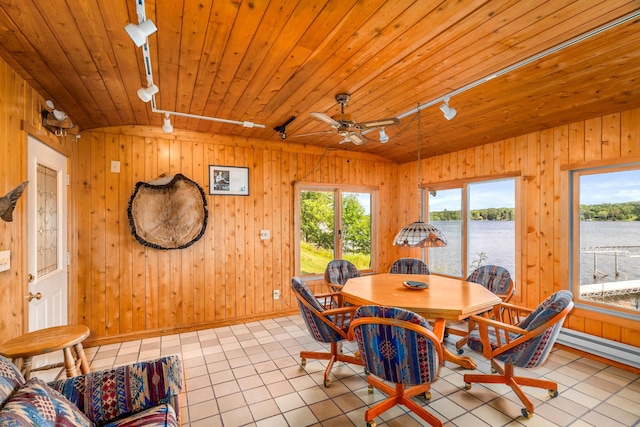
(36, 404)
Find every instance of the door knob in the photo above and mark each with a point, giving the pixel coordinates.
(32, 296)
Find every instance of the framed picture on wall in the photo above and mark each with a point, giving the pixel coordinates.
(228, 180)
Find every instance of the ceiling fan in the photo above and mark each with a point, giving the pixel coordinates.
(350, 131)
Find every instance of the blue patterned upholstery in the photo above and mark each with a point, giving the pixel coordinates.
(326, 324)
(403, 355)
(525, 344)
(493, 277)
(398, 355)
(140, 394)
(409, 266)
(318, 328)
(338, 271)
(533, 352)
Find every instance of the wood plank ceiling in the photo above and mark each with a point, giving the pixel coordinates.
(265, 61)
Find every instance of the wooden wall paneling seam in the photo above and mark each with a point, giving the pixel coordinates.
(240, 280)
(593, 139)
(268, 214)
(611, 138)
(125, 239)
(211, 266)
(258, 189)
(560, 191)
(112, 246)
(547, 212)
(98, 248)
(163, 257)
(177, 292)
(199, 171)
(152, 308)
(138, 258)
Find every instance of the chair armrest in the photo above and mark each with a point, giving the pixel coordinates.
(510, 313)
(110, 394)
(500, 330)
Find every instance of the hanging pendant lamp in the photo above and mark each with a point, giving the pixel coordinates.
(419, 234)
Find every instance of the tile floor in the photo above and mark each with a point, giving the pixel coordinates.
(250, 375)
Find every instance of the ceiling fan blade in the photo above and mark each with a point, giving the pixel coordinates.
(323, 132)
(378, 123)
(356, 139)
(324, 118)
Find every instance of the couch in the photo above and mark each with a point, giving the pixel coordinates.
(140, 394)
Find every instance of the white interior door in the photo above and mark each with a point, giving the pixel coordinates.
(47, 230)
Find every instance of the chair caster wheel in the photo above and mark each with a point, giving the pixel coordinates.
(553, 393)
(467, 386)
(460, 351)
(370, 390)
(493, 370)
(427, 395)
(303, 362)
(526, 413)
(371, 424)
(327, 383)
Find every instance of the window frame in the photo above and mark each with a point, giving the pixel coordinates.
(463, 185)
(573, 215)
(338, 190)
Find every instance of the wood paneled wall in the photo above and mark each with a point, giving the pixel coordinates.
(20, 107)
(126, 289)
(542, 160)
(123, 290)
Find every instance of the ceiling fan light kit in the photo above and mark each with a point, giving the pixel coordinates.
(349, 130)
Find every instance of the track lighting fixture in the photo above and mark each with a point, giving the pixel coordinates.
(146, 93)
(167, 126)
(383, 136)
(140, 32)
(449, 112)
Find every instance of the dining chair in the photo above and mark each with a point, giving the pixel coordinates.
(328, 322)
(519, 337)
(399, 347)
(495, 278)
(409, 266)
(337, 273)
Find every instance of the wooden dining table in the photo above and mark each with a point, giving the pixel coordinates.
(444, 299)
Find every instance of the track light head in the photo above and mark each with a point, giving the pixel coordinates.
(140, 32)
(449, 112)
(146, 93)
(167, 126)
(384, 138)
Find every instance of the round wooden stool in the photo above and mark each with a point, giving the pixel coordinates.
(22, 349)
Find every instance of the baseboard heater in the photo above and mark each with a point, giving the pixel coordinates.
(608, 349)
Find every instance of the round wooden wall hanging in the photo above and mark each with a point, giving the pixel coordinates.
(168, 213)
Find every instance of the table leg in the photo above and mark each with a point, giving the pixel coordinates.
(25, 367)
(84, 364)
(69, 363)
(464, 361)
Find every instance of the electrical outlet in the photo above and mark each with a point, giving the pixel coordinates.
(276, 294)
(115, 166)
(265, 234)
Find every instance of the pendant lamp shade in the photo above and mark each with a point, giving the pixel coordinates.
(419, 234)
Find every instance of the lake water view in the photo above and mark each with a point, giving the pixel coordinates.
(496, 240)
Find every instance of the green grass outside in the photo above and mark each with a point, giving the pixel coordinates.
(314, 260)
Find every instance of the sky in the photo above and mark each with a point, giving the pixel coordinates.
(491, 194)
(613, 187)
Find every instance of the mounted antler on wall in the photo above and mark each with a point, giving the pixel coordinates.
(8, 202)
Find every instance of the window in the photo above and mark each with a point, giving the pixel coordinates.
(606, 244)
(478, 220)
(333, 223)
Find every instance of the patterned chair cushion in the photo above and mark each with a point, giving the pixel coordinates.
(318, 329)
(108, 395)
(409, 266)
(338, 271)
(158, 416)
(10, 379)
(36, 404)
(393, 353)
(533, 352)
(492, 277)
